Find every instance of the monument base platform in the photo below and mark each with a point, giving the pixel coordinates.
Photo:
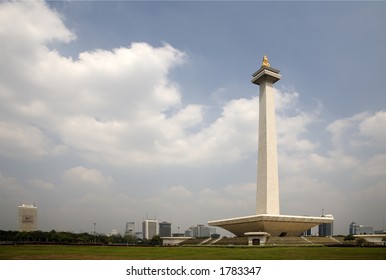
(275, 225)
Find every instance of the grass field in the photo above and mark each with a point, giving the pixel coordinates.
(56, 252)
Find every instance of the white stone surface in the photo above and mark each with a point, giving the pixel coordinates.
(267, 195)
(273, 224)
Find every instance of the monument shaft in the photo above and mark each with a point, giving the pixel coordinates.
(267, 196)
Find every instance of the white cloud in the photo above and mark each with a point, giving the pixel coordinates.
(290, 132)
(340, 128)
(374, 128)
(188, 117)
(32, 21)
(362, 133)
(43, 185)
(180, 191)
(375, 166)
(9, 184)
(20, 140)
(244, 190)
(120, 107)
(82, 177)
(286, 98)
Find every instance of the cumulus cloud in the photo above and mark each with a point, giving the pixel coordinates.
(340, 128)
(43, 185)
(82, 177)
(373, 127)
(21, 140)
(116, 106)
(375, 166)
(34, 22)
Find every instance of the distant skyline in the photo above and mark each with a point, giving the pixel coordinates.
(111, 110)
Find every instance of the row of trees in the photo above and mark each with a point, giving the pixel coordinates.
(73, 238)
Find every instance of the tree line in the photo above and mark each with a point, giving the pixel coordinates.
(63, 237)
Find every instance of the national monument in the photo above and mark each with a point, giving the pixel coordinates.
(267, 220)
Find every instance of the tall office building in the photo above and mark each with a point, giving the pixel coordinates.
(130, 228)
(28, 217)
(149, 228)
(165, 229)
(326, 229)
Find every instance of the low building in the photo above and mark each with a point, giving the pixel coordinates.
(356, 229)
(200, 231)
(189, 232)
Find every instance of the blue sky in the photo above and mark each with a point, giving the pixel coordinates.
(111, 110)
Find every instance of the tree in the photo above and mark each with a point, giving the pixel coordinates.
(349, 237)
(361, 241)
(156, 240)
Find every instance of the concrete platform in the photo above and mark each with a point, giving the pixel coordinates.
(275, 225)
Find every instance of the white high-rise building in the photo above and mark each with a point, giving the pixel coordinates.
(149, 228)
(28, 217)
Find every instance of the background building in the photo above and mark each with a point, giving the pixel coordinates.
(130, 228)
(189, 232)
(28, 217)
(360, 229)
(326, 229)
(114, 232)
(149, 228)
(165, 229)
(200, 231)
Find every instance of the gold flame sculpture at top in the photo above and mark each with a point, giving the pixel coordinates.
(265, 62)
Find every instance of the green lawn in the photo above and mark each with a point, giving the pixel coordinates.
(55, 252)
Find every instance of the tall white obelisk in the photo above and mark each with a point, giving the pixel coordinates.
(267, 197)
(268, 219)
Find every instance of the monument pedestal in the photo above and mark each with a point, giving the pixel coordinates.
(275, 225)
